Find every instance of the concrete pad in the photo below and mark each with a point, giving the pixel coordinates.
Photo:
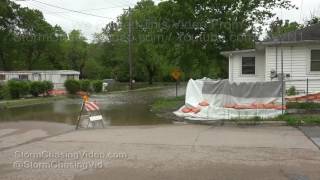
(162, 134)
(174, 152)
(313, 132)
(21, 138)
(6, 131)
(277, 137)
(316, 140)
(263, 137)
(51, 128)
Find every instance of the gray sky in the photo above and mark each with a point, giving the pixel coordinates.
(113, 8)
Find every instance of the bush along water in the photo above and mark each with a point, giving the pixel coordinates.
(72, 86)
(85, 85)
(40, 87)
(97, 86)
(15, 89)
(18, 89)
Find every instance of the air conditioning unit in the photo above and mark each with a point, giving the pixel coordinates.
(273, 74)
(284, 76)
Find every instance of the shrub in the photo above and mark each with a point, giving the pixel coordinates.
(48, 86)
(4, 92)
(37, 88)
(72, 86)
(1, 91)
(292, 91)
(18, 89)
(97, 86)
(85, 85)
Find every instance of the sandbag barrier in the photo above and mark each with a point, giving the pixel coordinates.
(313, 97)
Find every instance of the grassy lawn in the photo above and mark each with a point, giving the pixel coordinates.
(301, 119)
(168, 105)
(29, 101)
(124, 87)
(306, 105)
(290, 119)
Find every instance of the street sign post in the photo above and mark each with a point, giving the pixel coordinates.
(176, 75)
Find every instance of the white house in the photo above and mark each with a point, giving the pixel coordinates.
(299, 50)
(57, 77)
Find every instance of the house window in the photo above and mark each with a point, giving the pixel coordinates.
(315, 60)
(248, 65)
(23, 77)
(2, 77)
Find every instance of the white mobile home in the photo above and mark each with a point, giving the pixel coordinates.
(57, 77)
(297, 52)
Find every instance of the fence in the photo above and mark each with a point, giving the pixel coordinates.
(304, 85)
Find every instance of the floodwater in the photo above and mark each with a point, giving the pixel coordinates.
(125, 108)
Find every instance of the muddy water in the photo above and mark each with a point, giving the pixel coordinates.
(128, 108)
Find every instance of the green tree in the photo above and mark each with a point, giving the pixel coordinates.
(77, 51)
(279, 27)
(188, 34)
(313, 20)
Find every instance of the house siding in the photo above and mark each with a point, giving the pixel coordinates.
(296, 62)
(56, 78)
(235, 67)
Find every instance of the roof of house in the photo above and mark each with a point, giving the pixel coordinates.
(307, 34)
(228, 53)
(310, 34)
(66, 72)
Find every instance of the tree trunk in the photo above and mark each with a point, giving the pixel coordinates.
(29, 59)
(3, 61)
(150, 80)
(151, 75)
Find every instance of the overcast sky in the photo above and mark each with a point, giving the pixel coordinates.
(110, 9)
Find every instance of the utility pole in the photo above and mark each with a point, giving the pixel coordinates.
(283, 87)
(130, 51)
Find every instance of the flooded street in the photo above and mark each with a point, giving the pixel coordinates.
(123, 108)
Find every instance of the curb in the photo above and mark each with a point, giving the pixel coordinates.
(239, 123)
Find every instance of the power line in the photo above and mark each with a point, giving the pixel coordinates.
(62, 16)
(75, 11)
(117, 5)
(84, 10)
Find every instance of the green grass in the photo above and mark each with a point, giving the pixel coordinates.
(306, 105)
(290, 119)
(124, 87)
(28, 101)
(300, 119)
(166, 104)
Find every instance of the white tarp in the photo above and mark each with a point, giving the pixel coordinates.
(219, 94)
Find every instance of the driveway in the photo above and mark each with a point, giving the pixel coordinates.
(313, 132)
(163, 152)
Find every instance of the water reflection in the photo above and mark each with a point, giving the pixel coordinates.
(130, 108)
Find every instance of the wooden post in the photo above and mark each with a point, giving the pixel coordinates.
(79, 118)
(130, 51)
(176, 88)
(307, 86)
